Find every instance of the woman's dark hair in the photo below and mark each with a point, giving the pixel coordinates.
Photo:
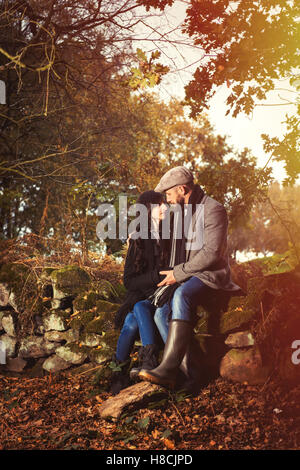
(147, 198)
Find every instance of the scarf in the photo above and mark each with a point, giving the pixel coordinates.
(164, 294)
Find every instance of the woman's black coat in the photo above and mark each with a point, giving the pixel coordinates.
(139, 286)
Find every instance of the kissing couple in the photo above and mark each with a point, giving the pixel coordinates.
(166, 279)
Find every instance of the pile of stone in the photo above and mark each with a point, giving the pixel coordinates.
(69, 322)
(256, 331)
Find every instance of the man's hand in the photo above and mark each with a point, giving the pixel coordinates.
(169, 279)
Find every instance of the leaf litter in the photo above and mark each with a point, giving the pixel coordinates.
(62, 412)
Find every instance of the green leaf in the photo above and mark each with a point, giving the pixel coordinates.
(153, 79)
(130, 438)
(143, 423)
(115, 367)
(141, 54)
(129, 419)
(136, 72)
(181, 396)
(157, 404)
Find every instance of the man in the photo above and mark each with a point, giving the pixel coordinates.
(200, 268)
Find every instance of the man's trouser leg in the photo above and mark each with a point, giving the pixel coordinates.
(180, 335)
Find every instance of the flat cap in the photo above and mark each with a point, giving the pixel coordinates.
(174, 177)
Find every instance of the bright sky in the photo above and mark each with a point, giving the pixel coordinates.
(242, 131)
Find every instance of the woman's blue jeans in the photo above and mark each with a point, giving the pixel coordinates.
(183, 307)
(183, 304)
(138, 322)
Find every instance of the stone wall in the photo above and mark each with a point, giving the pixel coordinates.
(60, 318)
(250, 339)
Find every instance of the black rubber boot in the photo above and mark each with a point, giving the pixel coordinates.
(148, 359)
(120, 378)
(192, 368)
(179, 336)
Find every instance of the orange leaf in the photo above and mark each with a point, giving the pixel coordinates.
(39, 422)
(155, 434)
(169, 444)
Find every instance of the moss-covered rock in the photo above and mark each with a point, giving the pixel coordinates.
(95, 320)
(99, 324)
(68, 336)
(69, 281)
(244, 365)
(90, 339)
(264, 294)
(106, 348)
(57, 320)
(23, 286)
(110, 339)
(79, 320)
(35, 347)
(55, 364)
(240, 339)
(106, 307)
(104, 319)
(271, 311)
(279, 317)
(242, 272)
(110, 291)
(45, 275)
(86, 301)
(258, 267)
(72, 353)
(121, 292)
(55, 336)
(238, 315)
(209, 313)
(243, 310)
(25, 295)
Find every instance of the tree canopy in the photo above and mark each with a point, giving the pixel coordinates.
(248, 45)
(80, 125)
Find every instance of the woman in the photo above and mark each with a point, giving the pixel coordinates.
(145, 258)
